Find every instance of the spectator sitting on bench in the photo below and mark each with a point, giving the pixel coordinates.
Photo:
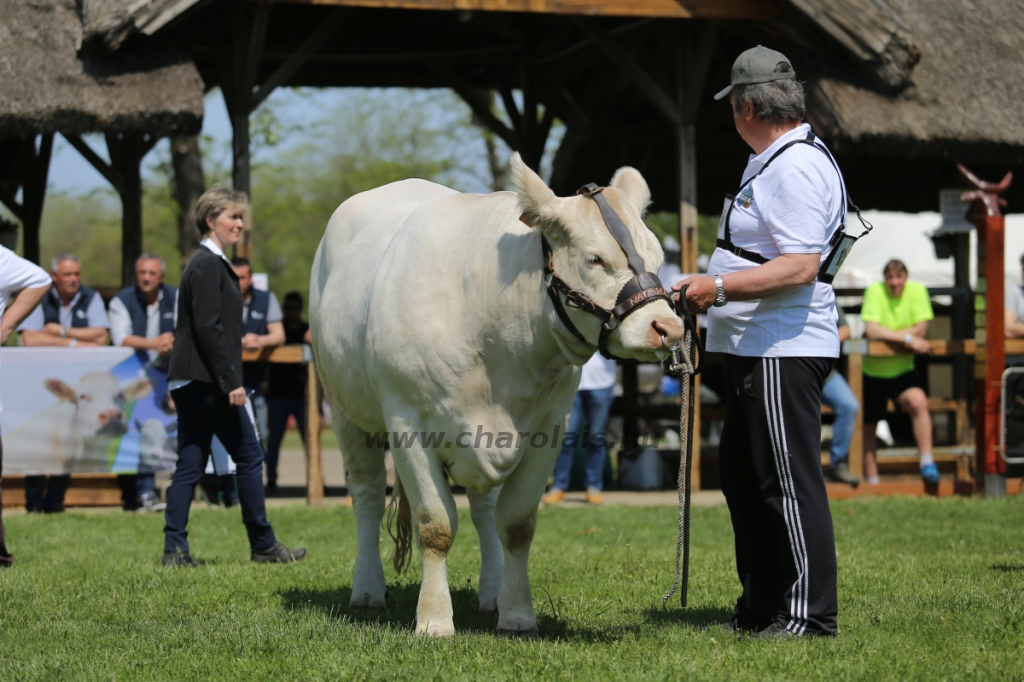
(836, 394)
(897, 311)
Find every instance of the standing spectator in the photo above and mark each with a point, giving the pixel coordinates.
(30, 283)
(1014, 305)
(286, 387)
(897, 311)
(776, 324)
(836, 394)
(70, 315)
(206, 381)
(142, 317)
(261, 316)
(593, 401)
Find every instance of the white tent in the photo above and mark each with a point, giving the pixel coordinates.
(906, 236)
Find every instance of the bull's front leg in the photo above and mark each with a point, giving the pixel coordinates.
(434, 524)
(516, 520)
(492, 561)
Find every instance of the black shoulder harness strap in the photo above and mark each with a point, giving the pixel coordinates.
(725, 242)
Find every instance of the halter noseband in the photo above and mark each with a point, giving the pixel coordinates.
(643, 288)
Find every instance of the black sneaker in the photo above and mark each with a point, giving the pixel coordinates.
(738, 624)
(840, 473)
(179, 559)
(775, 631)
(279, 554)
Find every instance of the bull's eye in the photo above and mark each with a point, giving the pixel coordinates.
(83, 397)
(595, 261)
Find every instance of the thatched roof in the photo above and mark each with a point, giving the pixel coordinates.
(964, 95)
(51, 82)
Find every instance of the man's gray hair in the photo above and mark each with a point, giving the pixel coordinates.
(152, 255)
(64, 256)
(775, 102)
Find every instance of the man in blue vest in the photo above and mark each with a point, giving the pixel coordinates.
(70, 315)
(261, 315)
(142, 317)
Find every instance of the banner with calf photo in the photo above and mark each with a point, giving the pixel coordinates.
(90, 410)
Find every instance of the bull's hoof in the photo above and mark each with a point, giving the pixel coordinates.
(366, 602)
(518, 634)
(437, 630)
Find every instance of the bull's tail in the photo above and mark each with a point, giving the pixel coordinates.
(399, 527)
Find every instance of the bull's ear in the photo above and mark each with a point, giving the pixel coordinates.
(633, 187)
(137, 390)
(536, 200)
(61, 390)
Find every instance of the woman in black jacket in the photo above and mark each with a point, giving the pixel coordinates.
(205, 378)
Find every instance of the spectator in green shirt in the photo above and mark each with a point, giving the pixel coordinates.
(897, 311)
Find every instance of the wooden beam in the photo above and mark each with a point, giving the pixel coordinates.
(301, 55)
(675, 9)
(479, 105)
(632, 69)
(253, 53)
(104, 168)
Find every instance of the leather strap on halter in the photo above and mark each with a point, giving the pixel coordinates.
(573, 298)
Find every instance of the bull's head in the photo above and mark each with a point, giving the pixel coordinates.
(590, 260)
(99, 400)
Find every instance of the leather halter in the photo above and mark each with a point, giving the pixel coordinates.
(643, 288)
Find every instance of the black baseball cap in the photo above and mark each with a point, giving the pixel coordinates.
(759, 65)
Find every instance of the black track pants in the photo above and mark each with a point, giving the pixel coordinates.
(770, 467)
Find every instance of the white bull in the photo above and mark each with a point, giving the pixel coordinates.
(430, 321)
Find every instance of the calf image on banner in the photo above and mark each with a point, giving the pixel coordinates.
(104, 410)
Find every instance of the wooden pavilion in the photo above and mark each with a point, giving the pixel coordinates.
(54, 82)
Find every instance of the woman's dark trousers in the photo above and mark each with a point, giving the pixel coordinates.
(203, 412)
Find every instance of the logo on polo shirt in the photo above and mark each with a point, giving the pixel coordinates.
(168, 316)
(747, 196)
(80, 314)
(256, 314)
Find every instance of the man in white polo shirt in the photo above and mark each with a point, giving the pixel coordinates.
(776, 324)
(30, 282)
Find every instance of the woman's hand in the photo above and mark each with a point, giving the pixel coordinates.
(237, 397)
(700, 292)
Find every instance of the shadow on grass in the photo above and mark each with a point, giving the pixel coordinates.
(1008, 568)
(401, 613)
(695, 618)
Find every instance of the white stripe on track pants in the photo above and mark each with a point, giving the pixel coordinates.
(770, 467)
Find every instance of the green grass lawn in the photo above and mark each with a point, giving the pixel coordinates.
(928, 589)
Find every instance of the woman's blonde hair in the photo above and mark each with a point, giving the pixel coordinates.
(214, 202)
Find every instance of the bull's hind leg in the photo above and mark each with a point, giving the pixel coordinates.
(492, 561)
(434, 523)
(516, 520)
(367, 483)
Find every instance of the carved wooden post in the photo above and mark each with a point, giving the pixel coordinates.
(990, 362)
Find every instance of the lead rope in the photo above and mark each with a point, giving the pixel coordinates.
(683, 365)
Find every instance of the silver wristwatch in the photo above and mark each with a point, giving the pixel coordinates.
(719, 291)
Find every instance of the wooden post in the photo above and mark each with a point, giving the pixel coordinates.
(314, 469)
(855, 378)
(990, 223)
(31, 168)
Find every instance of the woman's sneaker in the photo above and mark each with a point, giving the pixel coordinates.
(930, 474)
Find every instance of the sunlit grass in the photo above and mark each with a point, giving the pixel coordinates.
(928, 589)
